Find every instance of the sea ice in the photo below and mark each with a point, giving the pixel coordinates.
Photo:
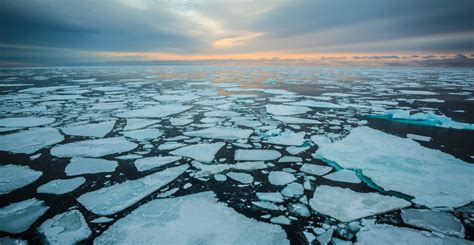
(157, 111)
(98, 130)
(148, 163)
(266, 205)
(134, 123)
(419, 137)
(66, 228)
(286, 110)
(282, 220)
(17, 217)
(287, 138)
(433, 178)
(13, 177)
(333, 201)
(388, 234)
(23, 122)
(202, 152)
(115, 198)
(280, 178)
(270, 196)
(296, 120)
(445, 223)
(293, 190)
(221, 133)
(30, 141)
(256, 155)
(315, 169)
(196, 218)
(418, 92)
(317, 104)
(343, 175)
(61, 186)
(243, 178)
(79, 165)
(143, 134)
(93, 148)
(421, 118)
(210, 169)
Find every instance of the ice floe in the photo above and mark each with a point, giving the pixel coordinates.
(256, 155)
(296, 120)
(432, 177)
(343, 175)
(61, 186)
(421, 118)
(388, 234)
(333, 201)
(287, 138)
(221, 133)
(66, 228)
(23, 122)
(93, 148)
(19, 216)
(286, 110)
(315, 169)
(143, 134)
(192, 219)
(148, 163)
(280, 178)
(243, 178)
(202, 152)
(437, 221)
(30, 141)
(136, 123)
(79, 165)
(13, 177)
(98, 130)
(157, 111)
(115, 198)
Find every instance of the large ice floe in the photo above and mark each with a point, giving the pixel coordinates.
(333, 201)
(388, 234)
(66, 228)
(221, 133)
(423, 118)
(157, 111)
(200, 152)
(98, 130)
(115, 198)
(30, 141)
(433, 178)
(19, 216)
(14, 177)
(191, 219)
(22, 122)
(93, 148)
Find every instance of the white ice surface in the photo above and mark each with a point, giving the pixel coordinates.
(280, 178)
(66, 228)
(243, 178)
(79, 165)
(256, 155)
(432, 177)
(30, 141)
(221, 133)
(157, 111)
(315, 169)
(17, 217)
(93, 148)
(333, 201)
(98, 130)
(148, 163)
(23, 122)
(115, 198)
(143, 134)
(296, 120)
(445, 223)
(191, 219)
(286, 110)
(205, 152)
(343, 175)
(287, 138)
(14, 177)
(61, 186)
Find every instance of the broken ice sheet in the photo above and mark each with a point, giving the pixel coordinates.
(66, 228)
(425, 119)
(201, 152)
(333, 201)
(17, 217)
(286, 110)
(79, 165)
(280, 178)
(22, 122)
(432, 177)
(243, 178)
(14, 177)
(256, 155)
(343, 175)
(93, 148)
(148, 163)
(61, 186)
(287, 138)
(115, 198)
(157, 111)
(143, 134)
(221, 133)
(193, 219)
(98, 130)
(437, 221)
(30, 141)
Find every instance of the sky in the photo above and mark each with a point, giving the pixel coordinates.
(52, 32)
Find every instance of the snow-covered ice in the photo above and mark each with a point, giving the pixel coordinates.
(30, 141)
(333, 201)
(19, 216)
(115, 198)
(61, 186)
(432, 177)
(201, 152)
(66, 228)
(93, 148)
(196, 218)
(13, 177)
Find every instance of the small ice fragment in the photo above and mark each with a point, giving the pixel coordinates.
(205, 152)
(315, 169)
(293, 190)
(282, 220)
(419, 137)
(221, 133)
(79, 165)
(286, 110)
(266, 205)
(220, 177)
(66, 228)
(270, 196)
(148, 163)
(243, 178)
(256, 155)
(61, 186)
(343, 175)
(280, 178)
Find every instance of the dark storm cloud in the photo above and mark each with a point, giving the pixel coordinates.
(90, 25)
